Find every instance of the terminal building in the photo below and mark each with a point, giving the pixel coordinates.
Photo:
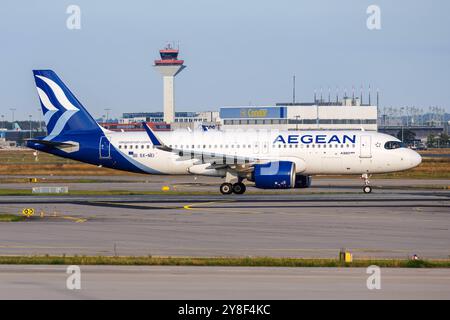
(349, 114)
(180, 117)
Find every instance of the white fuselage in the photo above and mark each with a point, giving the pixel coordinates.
(316, 152)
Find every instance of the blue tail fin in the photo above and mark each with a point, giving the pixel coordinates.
(63, 113)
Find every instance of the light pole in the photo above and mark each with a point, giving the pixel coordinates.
(30, 116)
(3, 121)
(40, 119)
(12, 111)
(107, 113)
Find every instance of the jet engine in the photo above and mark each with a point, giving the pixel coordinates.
(274, 175)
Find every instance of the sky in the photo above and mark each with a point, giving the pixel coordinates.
(237, 52)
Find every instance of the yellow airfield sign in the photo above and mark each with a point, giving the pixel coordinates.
(28, 212)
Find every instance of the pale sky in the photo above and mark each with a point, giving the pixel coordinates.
(236, 52)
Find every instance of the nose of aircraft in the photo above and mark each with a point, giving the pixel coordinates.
(414, 158)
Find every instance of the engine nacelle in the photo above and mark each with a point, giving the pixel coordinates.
(274, 175)
(302, 181)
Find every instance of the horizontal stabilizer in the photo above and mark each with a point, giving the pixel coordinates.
(51, 143)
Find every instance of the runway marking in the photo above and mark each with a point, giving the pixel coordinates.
(76, 220)
(124, 205)
(214, 208)
(190, 206)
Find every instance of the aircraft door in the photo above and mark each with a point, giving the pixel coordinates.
(366, 147)
(105, 148)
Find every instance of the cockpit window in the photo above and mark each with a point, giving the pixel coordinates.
(394, 145)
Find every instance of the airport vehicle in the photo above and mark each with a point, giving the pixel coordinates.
(270, 159)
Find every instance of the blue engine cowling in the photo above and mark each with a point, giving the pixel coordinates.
(274, 175)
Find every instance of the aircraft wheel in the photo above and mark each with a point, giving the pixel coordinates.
(367, 189)
(226, 188)
(239, 188)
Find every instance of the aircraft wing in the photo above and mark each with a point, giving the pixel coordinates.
(218, 161)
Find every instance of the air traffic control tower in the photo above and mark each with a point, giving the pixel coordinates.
(169, 66)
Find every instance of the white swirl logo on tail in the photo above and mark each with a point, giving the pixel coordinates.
(51, 109)
(63, 101)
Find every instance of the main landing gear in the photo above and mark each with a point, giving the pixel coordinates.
(228, 188)
(367, 188)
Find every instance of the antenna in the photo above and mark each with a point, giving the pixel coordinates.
(293, 89)
(329, 95)
(361, 95)
(378, 97)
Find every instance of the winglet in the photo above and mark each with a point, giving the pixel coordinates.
(154, 139)
(152, 136)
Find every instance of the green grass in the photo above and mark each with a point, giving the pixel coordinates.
(220, 261)
(10, 218)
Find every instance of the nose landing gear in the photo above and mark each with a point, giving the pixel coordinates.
(366, 188)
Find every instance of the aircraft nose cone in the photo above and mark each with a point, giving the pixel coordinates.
(416, 159)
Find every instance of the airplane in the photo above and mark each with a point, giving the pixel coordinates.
(271, 159)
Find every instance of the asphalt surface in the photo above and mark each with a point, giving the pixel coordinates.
(103, 282)
(211, 185)
(392, 222)
(399, 219)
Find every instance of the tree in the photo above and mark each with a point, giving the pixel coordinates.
(408, 136)
(431, 139)
(444, 139)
